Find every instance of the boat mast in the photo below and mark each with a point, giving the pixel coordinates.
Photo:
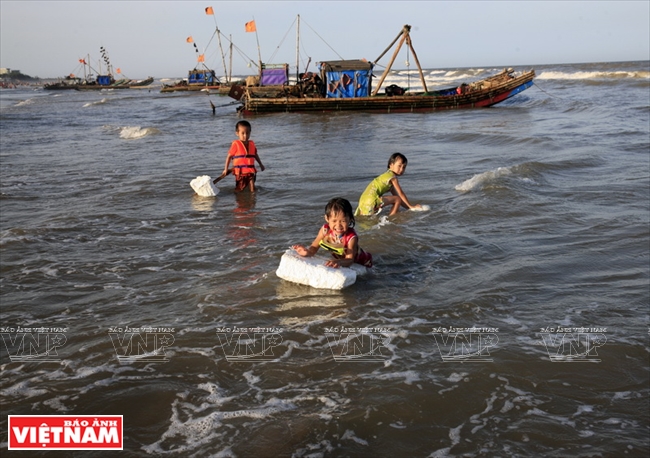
(417, 62)
(230, 69)
(259, 51)
(298, 50)
(405, 38)
(223, 56)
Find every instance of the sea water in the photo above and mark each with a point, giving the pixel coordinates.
(511, 319)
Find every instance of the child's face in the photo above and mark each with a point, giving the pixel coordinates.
(398, 167)
(243, 133)
(338, 223)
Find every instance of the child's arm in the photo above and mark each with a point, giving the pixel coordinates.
(225, 168)
(397, 190)
(313, 248)
(257, 158)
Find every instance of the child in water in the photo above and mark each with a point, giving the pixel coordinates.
(243, 154)
(337, 236)
(373, 200)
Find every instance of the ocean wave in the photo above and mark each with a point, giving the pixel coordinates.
(481, 179)
(99, 102)
(491, 177)
(600, 75)
(134, 132)
(24, 102)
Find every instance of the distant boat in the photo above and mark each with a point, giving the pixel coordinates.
(68, 82)
(196, 80)
(102, 81)
(347, 86)
(272, 80)
(107, 82)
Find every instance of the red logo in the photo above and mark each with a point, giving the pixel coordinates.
(65, 432)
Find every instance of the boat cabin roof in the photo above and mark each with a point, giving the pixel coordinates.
(342, 65)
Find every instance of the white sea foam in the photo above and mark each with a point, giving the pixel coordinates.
(559, 75)
(350, 435)
(98, 102)
(135, 132)
(481, 179)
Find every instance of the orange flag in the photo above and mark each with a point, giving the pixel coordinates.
(82, 61)
(250, 26)
(201, 58)
(118, 71)
(190, 39)
(209, 10)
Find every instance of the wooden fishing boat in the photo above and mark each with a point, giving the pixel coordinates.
(107, 82)
(141, 83)
(197, 80)
(347, 86)
(69, 82)
(103, 80)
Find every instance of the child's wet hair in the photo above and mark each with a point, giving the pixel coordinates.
(340, 205)
(394, 157)
(242, 124)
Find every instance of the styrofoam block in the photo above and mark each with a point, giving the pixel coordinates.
(204, 186)
(421, 208)
(311, 271)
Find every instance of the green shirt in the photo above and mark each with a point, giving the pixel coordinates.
(370, 201)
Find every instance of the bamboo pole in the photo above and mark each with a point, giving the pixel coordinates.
(415, 56)
(392, 59)
(405, 28)
(298, 50)
(223, 56)
(230, 68)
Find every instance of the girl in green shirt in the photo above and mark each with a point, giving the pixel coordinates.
(373, 200)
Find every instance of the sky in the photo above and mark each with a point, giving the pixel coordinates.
(149, 38)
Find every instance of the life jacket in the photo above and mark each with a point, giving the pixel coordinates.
(364, 258)
(243, 160)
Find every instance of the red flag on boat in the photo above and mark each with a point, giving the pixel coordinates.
(82, 61)
(209, 10)
(250, 26)
(190, 39)
(118, 71)
(201, 58)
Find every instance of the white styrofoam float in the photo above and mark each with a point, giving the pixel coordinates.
(421, 208)
(204, 187)
(311, 271)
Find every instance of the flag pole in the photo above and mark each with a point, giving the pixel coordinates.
(259, 52)
(298, 50)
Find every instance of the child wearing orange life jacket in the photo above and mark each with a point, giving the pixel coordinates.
(243, 154)
(338, 237)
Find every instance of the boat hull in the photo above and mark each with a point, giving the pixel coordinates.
(189, 88)
(127, 84)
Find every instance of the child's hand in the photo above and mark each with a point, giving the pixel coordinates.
(301, 250)
(332, 263)
(418, 206)
(262, 167)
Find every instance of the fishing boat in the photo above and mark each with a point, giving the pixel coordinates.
(101, 81)
(197, 80)
(346, 85)
(68, 82)
(108, 82)
(200, 78)
(273, 79)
